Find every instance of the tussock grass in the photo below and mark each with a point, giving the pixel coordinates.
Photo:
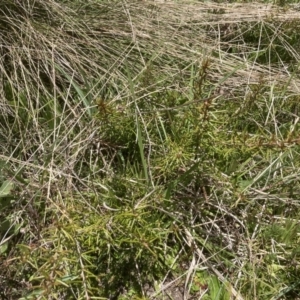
(147, 146)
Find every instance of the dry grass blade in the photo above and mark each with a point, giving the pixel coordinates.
(147, 142)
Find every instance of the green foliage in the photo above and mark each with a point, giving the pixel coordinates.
(135, 153)
(117, 247)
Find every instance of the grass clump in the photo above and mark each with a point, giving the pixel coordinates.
(146, 153)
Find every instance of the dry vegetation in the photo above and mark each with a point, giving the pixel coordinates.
(149, 150)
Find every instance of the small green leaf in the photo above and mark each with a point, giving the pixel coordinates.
(69, 278)
(245, 183)
(3, 248)
(6, 188)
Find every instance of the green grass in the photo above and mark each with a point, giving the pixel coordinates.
(149, 149)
